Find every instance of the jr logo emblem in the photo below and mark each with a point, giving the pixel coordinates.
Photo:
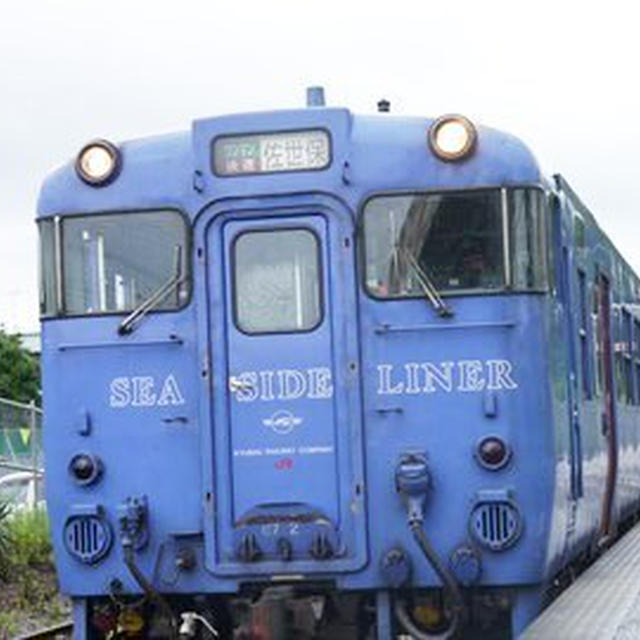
(282, 422)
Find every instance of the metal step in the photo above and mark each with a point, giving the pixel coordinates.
(603, 603)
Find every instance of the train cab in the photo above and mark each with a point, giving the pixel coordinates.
(306, 373)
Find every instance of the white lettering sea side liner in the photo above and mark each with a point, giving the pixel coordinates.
(315, 383)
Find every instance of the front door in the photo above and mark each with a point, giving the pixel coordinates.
(608, 414)
(287, 423)
(562, 237)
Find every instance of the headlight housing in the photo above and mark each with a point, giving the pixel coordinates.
(98, 163)
(452, 137)
(85, 468)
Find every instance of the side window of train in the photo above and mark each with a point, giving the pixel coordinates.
(277, 281)
(636, 356)
(621, 332)
(579, 232)
(583, 332)
(617, 331)
(596, 327)
(526, 213)
(550, 226)
(47, 268)
(111, 263)
(627, 356)
(557, 251)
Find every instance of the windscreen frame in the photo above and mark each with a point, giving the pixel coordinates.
(60, 311)
(506, 241)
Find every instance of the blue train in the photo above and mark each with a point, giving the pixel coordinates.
(309, 374)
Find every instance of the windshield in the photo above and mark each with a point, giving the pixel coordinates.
(112, 263)
(456, 239)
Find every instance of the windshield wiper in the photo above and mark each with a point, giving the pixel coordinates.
(132, 320)
(428, 288)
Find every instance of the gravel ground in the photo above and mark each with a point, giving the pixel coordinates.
(31, 602)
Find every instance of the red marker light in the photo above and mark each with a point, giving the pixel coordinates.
(493, 452)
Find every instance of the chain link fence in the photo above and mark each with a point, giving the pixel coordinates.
(21, 457)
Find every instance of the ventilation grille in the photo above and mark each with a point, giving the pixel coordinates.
(496, 525)
(87, 538)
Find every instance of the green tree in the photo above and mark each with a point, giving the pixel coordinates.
(19, 370)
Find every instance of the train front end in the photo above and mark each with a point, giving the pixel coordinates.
(295, 379)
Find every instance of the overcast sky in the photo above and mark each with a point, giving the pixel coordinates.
(561, 76)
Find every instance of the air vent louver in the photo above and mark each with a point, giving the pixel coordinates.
(87, 538)
(495, 525)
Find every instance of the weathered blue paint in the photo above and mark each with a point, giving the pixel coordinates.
(181, 455)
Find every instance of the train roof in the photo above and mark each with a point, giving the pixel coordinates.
(590, 220)
(382, 152)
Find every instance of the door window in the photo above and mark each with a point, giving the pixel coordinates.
(277, 281)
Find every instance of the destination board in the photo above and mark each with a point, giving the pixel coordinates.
(306, 150)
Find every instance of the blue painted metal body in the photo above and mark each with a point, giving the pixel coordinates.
(187, 460)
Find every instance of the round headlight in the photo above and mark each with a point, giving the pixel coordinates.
(452, 137)
(98, 163)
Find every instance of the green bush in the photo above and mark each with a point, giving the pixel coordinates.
(29, 534)
(29, 594)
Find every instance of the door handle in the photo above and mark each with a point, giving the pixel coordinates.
(237, 385)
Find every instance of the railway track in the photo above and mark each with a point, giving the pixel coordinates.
(62, 630)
